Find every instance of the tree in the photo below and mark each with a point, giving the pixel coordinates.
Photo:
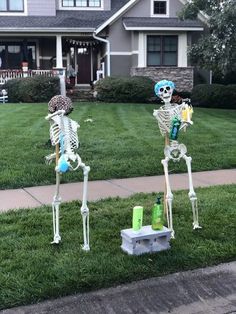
(216, 49)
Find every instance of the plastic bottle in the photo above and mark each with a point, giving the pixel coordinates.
(137, 218)
(175, 128)
(157, 215)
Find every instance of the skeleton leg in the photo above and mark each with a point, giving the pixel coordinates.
(55, 211)
(84, 208)
(169, 197)
(192, 195)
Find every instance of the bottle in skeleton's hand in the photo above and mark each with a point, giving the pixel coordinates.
(175, 128)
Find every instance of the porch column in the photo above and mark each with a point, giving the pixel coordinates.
(59, 65)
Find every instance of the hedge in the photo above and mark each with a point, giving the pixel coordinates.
(32, 89)
(137, 89)
(214, 96)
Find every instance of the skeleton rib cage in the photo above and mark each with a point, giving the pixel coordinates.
(65, 128)
(165, 116)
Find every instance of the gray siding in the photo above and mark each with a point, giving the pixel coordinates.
(143, 9)
(120, 65)
(43, 7)
(119, 38)
(107, 5)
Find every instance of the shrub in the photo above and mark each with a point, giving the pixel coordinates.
(137, 89)
(32, 89)
(214, 96)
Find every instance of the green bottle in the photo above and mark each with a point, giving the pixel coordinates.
(176, 123)
(137, 218)
(157, 215)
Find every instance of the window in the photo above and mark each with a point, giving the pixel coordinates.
(81, 3)
(11, 5)
(159, 7)
(12, 55)
(162, 50)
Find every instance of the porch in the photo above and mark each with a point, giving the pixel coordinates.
(81, 58)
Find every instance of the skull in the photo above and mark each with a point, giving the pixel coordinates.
(164, 90)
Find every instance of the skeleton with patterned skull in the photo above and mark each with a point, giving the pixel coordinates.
(63, 135)
(173, 118)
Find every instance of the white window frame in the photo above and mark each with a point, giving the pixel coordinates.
(181, 52)
(16, 13)
(82, 8)
(160, 15)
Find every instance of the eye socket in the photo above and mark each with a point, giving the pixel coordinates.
(161, 89)
(167, 87)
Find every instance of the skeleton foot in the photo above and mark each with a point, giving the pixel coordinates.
(56, 239)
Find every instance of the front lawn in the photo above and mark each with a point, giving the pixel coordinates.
(31, 269)
(122, 141)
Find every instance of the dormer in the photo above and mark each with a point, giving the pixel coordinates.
(85, 5)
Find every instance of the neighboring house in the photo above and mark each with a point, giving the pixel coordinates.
(118, 37)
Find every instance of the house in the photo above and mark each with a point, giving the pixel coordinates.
(98, 38)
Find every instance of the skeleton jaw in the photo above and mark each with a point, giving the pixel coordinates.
(166, 99)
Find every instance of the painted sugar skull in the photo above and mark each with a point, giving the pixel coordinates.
(164, 90)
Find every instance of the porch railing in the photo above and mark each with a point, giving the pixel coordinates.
(6, 75)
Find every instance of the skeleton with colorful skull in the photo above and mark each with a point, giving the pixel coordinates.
(63, 135)
(167, 116)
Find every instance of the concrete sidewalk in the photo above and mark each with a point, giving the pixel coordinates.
(211, 290)
(42, 195)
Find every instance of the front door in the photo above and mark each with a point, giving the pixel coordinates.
(84, 66)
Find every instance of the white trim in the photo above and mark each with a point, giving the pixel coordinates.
(101, 8)
(131, 28)
(142, 47)
(182, 50)
(160, 15)
(115, 16)
(124, 53)
(41, 31)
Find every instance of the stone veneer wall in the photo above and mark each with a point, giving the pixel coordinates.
(182, 77)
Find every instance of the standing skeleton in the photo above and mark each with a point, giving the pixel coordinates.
(173, 150)
(63, 135)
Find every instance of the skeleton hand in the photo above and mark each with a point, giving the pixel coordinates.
(49, 158)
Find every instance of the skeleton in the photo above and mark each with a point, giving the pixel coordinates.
(63, 135)
(173, 150)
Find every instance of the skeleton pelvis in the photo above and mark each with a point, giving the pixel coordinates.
(175, 151)
(63, 164)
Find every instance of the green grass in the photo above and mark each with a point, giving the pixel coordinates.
(123, 141)
(31, 269)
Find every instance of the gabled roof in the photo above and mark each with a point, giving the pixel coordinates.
(153, 23)
(66, 21)
(117, 14)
